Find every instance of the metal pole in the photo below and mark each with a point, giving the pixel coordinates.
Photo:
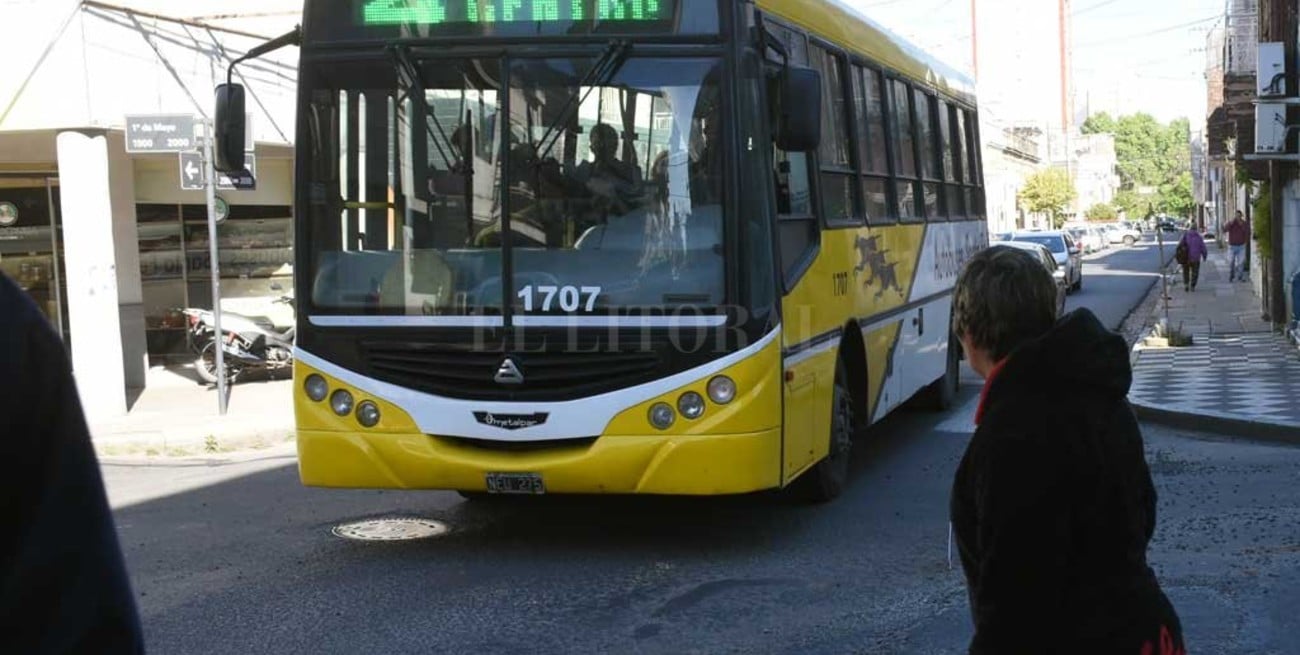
(1276, 218)
(210, 185)
(54, 254)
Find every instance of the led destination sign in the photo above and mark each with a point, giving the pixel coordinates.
(449, 12)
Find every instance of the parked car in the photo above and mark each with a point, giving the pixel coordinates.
(1067, 252)
(1099, 235)
(1049, 263)
(1123, 233)
(1000, 236)
(1086, 237)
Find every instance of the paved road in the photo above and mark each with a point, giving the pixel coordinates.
(1116, 279)
(239, 558)
(244, 560)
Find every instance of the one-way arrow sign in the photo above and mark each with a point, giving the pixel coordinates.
(191, 171)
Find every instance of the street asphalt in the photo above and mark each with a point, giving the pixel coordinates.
(238, 557)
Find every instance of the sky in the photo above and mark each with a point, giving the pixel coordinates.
(1129, 55)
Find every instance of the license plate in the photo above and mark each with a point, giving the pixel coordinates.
(515, 483)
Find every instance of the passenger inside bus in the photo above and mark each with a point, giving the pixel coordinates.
(615, 184)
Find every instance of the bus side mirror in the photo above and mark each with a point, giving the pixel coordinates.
(799, 99)
(230, 127)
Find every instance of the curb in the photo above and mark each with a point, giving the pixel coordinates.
(1237, 427)
(285, 451)
(221, 444)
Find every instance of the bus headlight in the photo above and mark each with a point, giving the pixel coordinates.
(316, 387)
(368, 414)
(341, 402)
(662, 416)
(722, 390)
(691, 405)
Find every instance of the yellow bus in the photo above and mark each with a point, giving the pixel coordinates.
(620, 246)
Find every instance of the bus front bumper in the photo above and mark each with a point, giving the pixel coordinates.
(632, 464)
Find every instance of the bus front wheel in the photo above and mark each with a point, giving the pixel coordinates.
(827, 479)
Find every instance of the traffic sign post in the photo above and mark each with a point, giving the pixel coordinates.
(160, 133)
(219, 337)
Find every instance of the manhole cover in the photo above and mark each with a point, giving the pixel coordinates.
(395, 529)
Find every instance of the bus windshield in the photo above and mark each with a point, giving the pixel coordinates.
(607, 190)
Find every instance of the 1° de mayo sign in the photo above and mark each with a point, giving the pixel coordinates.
(160, 133)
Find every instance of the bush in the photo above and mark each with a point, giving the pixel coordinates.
(1102, 213)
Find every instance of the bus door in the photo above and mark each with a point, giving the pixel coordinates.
(809, 343)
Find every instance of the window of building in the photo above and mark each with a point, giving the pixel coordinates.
(255, 247)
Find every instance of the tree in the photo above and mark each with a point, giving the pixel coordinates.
(1176, 199)
(1098, 124)
(1048, 191)
(1102, 213)
(1131, 203)
(1154, 162)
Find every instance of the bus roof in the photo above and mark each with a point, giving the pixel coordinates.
(849, 28)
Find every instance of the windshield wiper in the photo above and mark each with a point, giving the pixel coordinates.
(409, 76)
(600, 73)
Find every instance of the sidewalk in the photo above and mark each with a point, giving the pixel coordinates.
(175, 415)
(1238, 377)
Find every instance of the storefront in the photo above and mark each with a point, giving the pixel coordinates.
(29, 241)
(113, 271)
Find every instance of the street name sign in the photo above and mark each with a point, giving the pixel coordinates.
(160, 133)
(245, 181)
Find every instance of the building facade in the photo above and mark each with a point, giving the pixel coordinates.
(1011, 155)
(1095, 168)
(107, 242)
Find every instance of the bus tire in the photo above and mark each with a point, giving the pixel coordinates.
(826, 480)
(941, 393)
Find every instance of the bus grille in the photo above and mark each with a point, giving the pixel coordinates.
(461, 373)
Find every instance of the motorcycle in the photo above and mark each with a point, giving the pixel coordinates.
(248, 343)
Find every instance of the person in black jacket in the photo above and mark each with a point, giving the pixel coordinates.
(1052, 504)
(63, 583)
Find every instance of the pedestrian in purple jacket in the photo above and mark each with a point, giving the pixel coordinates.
(1190, 253)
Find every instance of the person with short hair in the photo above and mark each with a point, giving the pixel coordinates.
(63, 584)
(1238, 237)
(1052, 504)
(1191, 251)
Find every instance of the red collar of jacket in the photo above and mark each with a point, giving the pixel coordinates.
(984, 393)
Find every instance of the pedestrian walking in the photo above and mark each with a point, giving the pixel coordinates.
(1052, 504)
(63, 584)
(1238, 237)
(1189, 254)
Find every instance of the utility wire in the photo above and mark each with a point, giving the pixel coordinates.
(1099, 5)
(1161, 30)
